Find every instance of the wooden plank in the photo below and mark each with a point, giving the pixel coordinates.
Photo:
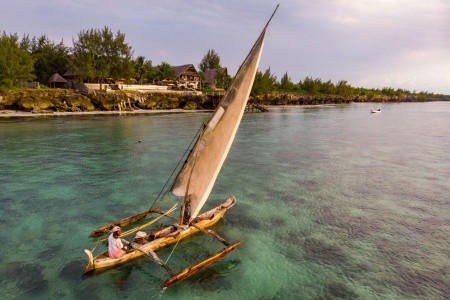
(133, 230)
(199, 266)
(212, 233)
(129, 220)
(153, 257)
(123, 222)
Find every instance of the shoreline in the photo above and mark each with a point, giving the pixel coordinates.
(23, 114)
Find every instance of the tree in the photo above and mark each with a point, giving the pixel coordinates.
(49, 58)
(327, 88)
(16, 64)
(211, 60)
(98, 54)
(223, 80)
(286, 85)
(165, 72)
(343, 88)
(263, 83)
(311, 86)
(143, 69)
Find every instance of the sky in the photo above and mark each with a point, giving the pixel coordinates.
(369, 43)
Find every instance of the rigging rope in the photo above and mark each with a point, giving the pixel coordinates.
(178, 164)
(167, 260)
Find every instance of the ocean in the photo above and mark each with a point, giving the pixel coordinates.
(332, 203)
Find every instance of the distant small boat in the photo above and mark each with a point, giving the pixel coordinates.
(375, 111)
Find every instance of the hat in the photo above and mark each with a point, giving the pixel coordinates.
(140, 235)
(115, 228)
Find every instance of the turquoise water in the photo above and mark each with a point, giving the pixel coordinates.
(333, 202)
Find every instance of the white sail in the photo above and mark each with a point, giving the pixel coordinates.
(197, 177)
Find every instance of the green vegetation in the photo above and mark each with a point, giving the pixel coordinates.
(49, 58)
(102, 55)
(144, 70)
(328, 92)
(211, 60)
(99, 55)
(164, 72)
(16, 63)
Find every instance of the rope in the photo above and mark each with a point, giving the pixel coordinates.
(177, 166)
(167, 260)
(96, 244)
(159, 294)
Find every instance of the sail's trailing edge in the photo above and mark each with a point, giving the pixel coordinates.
(200, 171)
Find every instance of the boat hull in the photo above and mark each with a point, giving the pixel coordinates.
(163, 238)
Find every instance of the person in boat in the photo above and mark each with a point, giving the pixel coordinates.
(116, 248)
(140, 238)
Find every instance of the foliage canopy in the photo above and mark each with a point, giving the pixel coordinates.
(211, 60)
(49, 58)
(16, 63)
(100, 54)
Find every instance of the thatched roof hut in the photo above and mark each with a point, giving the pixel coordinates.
(57, 80)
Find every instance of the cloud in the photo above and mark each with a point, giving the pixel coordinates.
(377, 43)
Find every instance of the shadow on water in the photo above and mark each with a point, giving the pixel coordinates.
(73, 271)
(215, 277)
(50, 253)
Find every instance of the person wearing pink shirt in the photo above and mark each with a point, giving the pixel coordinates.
(115, 245)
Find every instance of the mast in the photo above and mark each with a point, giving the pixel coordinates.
(198, 175)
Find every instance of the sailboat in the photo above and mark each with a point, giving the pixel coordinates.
(194, 182)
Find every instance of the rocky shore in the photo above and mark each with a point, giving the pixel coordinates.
(302, 99)
(39, 101)
(59, 101)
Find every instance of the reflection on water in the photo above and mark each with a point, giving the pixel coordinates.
(333, 202)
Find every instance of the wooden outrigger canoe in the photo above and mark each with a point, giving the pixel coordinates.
(195, 180)
(163, 238)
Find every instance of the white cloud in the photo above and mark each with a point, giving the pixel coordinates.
(363, 41)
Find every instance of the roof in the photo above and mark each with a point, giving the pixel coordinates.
(211, 74)
(56, 78)
(183, 69)
(69, 73)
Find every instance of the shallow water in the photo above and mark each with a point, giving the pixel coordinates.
(333, 202)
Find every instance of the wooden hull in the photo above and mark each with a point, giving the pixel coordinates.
(199, 266)
(165, 237)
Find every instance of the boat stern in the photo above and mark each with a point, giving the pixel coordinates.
(90, 267)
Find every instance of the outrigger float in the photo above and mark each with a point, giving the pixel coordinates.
(193, 183)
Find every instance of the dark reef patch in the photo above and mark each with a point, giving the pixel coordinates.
(50, 253)
(73, 271)
(28, 277)
(328, 254)
(242, 220)
(277, 222)
(89, 291)
(339, 290)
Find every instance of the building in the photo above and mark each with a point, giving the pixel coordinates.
(57, 81)
(187, 76)
(214, 76)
